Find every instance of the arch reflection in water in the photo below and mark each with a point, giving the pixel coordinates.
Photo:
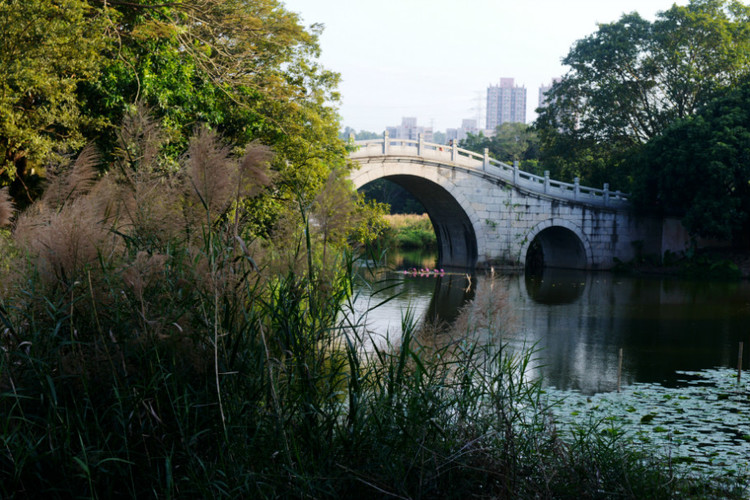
(433, 298)
(555, 286)
(569, 316)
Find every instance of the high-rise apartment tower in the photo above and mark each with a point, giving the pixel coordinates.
(505, 103)
(409, 130)
(543, 89)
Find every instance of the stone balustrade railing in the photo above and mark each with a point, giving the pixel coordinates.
(490, 167)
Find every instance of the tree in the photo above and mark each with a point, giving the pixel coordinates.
(362, 135)
(511, 142)
(631, 79)
(244, 68)
(47, 49)
(699, 169)
(397, 198)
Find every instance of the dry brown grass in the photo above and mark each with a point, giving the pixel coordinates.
(211, 173)
(398, 221)
(254, 174)
(65, 184)
(123, 222)
(144, 271)
(6, 208)
(489, 315)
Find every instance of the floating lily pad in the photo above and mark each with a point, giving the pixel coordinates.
(646, 419)
(700, 423)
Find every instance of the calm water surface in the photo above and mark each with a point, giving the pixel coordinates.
(580, 320)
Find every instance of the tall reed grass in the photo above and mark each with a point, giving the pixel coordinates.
(150, 351)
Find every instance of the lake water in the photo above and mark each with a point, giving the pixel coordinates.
(580, 320)
(679, 337)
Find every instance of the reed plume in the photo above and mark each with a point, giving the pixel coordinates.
(254, 174)
(65, 184)
(211, 172)
(139, 140)
(66, 241)
(6, 207)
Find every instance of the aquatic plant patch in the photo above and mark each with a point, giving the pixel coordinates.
(702, 424)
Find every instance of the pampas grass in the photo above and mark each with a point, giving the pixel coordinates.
(6, 208)
(65, 184)
(66, 242)
(211, 173)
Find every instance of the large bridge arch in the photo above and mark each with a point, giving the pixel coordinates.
(562, 242)
(451, 214)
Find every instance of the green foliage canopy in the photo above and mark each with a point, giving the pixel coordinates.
(631, 79)
(362, 135)
(511, 142)
(699, 169)
(245, 68)
(46, 50)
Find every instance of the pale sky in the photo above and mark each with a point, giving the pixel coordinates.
(434, 59)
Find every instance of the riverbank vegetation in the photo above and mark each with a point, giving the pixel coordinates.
(71, 71)
(719, 263)
(409, 231)
(151, 349)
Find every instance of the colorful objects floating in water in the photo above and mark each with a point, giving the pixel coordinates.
(424, 272)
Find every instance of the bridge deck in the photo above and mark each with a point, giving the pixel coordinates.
(482, 163)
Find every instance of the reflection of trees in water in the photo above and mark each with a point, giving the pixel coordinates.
(407, 259)
(464, 308)
(452, 292)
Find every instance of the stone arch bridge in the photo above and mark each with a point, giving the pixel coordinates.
(490, 213)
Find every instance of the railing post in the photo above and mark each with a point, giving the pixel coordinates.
(606, 194)
(386, 141)
(618, 195)
(486, 162)
(454, 150)
(546, 181)
(419, 144)
(576, 187)
(515, 172)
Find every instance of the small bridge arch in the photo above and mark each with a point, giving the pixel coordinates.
(560, 243)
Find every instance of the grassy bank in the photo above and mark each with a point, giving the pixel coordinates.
(410, 231)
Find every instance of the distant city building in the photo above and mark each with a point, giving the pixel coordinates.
(459, 134)
(506, 102)
(409, 130)
(543, 89)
